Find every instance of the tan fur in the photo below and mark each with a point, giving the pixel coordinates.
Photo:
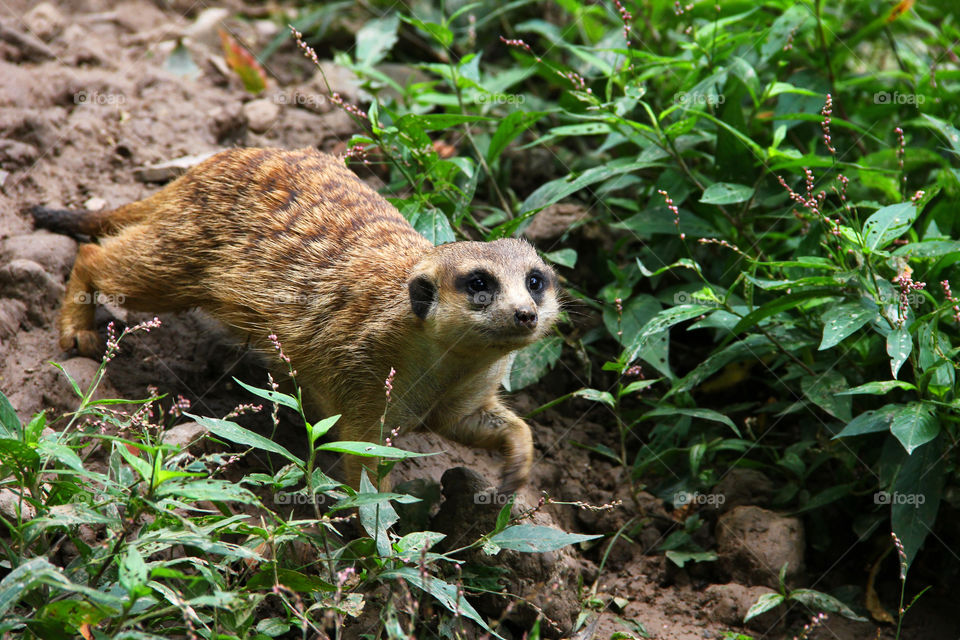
(293, 243)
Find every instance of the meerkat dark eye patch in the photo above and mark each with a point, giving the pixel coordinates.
(479, 285)
(537, 283)
(422, 296)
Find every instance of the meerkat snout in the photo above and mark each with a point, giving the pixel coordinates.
(526, 317)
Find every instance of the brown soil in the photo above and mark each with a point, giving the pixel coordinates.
(85, 100)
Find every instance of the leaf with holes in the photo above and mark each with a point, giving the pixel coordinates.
(899, 346)
(887, 224)
(843, 320)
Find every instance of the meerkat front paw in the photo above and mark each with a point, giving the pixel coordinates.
(517, 451)
(86, 341)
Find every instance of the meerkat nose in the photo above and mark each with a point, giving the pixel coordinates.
(526, 318)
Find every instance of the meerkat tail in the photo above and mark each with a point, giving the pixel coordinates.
(90, 223)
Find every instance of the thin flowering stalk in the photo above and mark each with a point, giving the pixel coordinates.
(334, 97)
(625, 17)
(825, 125)
(907, 286)
(949, 295)
(674, 209)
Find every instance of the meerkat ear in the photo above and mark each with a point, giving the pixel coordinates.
(423, 294)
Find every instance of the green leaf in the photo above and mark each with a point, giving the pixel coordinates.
(823, 390)
(596, 396)
(818, 601)
(180, 63)
(370, 450)
(763, 604)
(556, 190)
(508, 129)
(272, 396)
(873, 421)
(9, 421)
(532, 362)
(534, 538)
(899, 345)
(376, 38)
(235, 433)
(439, 32)
(661, 322)
(294, 580)
(447, 594)
(843, 320)
(916, 496)
(726, 193)
(878, 388)
(413, 544)
(928, 249)
(915, 425)
(887, 224)
(781, 303)
(208, 489)
(703, 414)
(680, 558)
(133, 570)
(563, 257)
(434, 225)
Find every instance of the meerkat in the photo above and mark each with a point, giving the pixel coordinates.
(294, 244)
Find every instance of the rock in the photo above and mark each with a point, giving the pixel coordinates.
(15, 155)
(44, 21)
(95, 204)
(164, 171)
(554, 221)
(754, 543)
(547, 580)
(729, 604)
(27, 281)
(227, 122)
(261, 114)
(741, 487)
(183, 435)
(14, 508)
(12, 314)
(205, 29)
(54, 252)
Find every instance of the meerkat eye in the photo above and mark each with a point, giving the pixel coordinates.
(535, 282)
(476, 285)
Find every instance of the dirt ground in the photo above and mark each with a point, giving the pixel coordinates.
(87, 98)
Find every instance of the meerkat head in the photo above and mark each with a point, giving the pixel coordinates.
(498, 295)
